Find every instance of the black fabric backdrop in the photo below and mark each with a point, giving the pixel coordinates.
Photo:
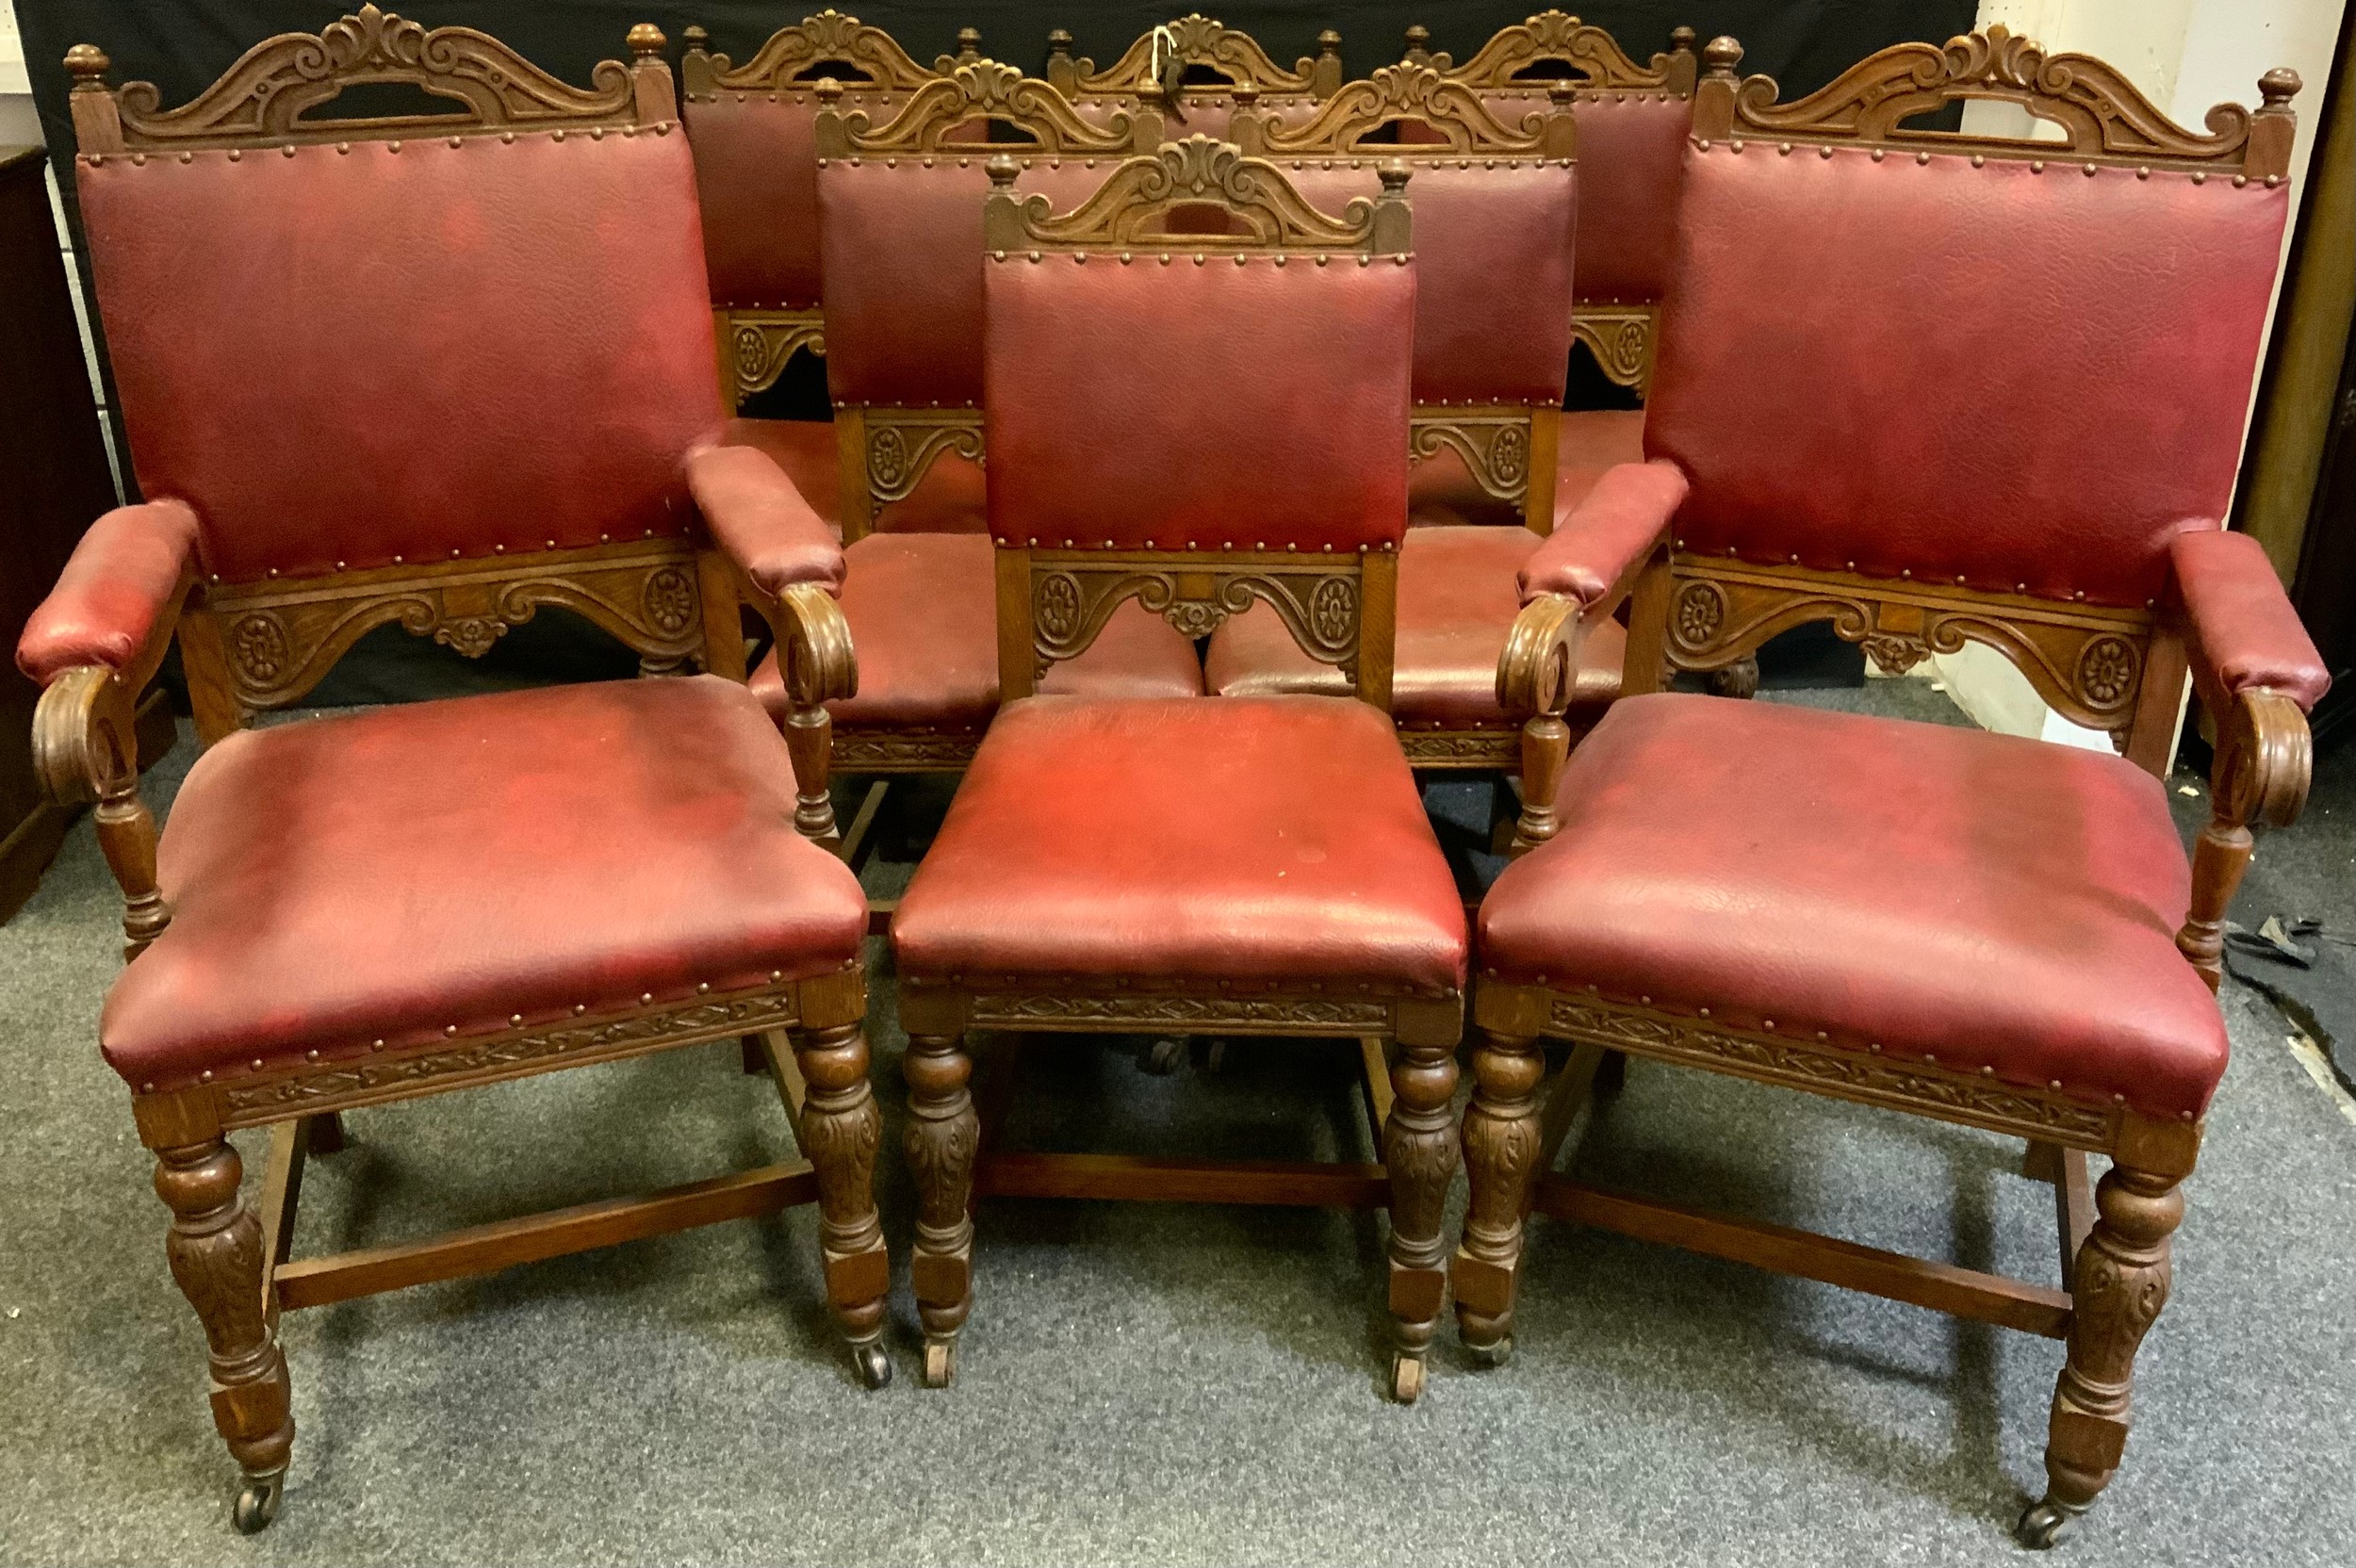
(184, 45)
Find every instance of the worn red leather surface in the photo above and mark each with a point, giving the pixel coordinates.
(114, 589)
(902, 239)
(2244, 631)
(1601, 536)
(396, 874)
(1493, 271)
(1996, 903)
(922, 614)
(345, 357)
(1230, 404)
(2025, 381)
(757, 178)
(805, 448)
(759, 520)
(1457, 600)
(1246, 839)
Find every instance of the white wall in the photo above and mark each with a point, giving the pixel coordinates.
(18, 123)
(2186, 56)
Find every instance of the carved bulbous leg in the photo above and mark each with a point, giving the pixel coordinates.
(1503, 1133)
(2119, 1284)
(944, 1134)
(1419, 1149)
(841, 1126)
(215, 1246)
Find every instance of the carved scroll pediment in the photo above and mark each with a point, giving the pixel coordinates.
(1460, 116)
(1515, 57)
(1134, 206)
(830, 43)
(941, 112)
(1164, 58)
(264, 98)
(2102, 115)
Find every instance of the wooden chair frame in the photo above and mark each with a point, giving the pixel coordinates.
(1620, 334)
(757, 338)
(1054, 596)
(1162, 58)
(1509, 448)
(250, 647)
(2118, 670)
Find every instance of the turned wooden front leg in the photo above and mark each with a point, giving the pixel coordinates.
(810, 738)
(944, 1134)
(841, 1126)
(1420, 1150)
(215, 1246)
(2119, 1286)
(1502, 1134)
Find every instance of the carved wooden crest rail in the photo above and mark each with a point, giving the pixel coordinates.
(262, 99)
(1515, 57)
(1163, 58)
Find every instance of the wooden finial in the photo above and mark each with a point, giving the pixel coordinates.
(696, 38)
(969, 44)
(1003, 171)
(1325, 72)
(1722, 57)
(646, 40)
(1418, 46)
(1681, 41)
(88, 65)
(2278, 86)
(1059, 41)
(1330, 44)
(1393, 174)
(829, 93)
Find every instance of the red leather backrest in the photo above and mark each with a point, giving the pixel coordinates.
(1492, 272)
(1177, 404)
(757, 174)
(901, 240)
(1631, 147)
(1991, 374)
(353, 357)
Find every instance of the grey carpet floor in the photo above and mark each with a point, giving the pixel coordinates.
(1150, 1385)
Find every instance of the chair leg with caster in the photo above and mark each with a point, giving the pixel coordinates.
(1419, 1149)
(2119, 1284)
(215, 1246)
(840, 1125)
(943, 1135)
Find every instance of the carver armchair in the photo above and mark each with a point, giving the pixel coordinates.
(1972, 927)
(441, 371)
(1239, 866)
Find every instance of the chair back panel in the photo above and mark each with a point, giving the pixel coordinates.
(757, 179)
(1231, 404)
(901, 239)
(1494, 247)
(354, 354)
(2002, 374)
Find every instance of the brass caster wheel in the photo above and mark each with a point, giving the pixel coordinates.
(1164, 1057)
(1491, 1355)
(257, 1502)
(2046, 1525)
(1406, 1378)
(940, 1363)
(875, 1367)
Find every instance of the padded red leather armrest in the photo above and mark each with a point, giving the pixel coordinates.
(120, 580)
(1611, 529)
(760, 521)
(2242, 628)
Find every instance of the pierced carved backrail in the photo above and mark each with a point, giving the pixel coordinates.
(1163, 58)
(1516, 59)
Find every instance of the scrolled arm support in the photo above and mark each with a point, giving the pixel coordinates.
(85, 748)
(2265, 760)
(816, 661)
(1535, 678)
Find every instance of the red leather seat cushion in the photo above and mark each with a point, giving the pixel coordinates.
(1457, 600)
(923, 609)
(1255, 839)
(388, 874)
(1998, 903)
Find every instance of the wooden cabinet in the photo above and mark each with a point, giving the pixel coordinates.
(53, 483)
